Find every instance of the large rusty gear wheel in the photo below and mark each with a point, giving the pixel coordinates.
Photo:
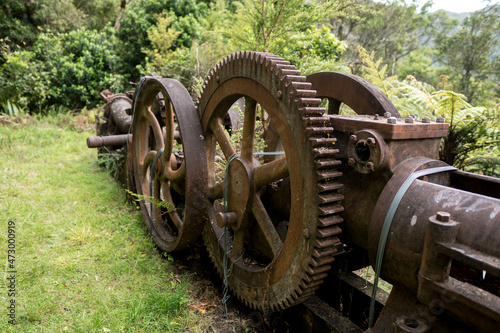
(280, 231)
(175, 214)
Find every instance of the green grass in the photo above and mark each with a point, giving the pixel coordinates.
(84, 260)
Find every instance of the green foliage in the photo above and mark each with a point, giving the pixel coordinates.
(269, 26)
(23, 21)
(139, 19)
(168, 206)
(391, 29)
(23, 82)
(468, 53)
(315, 50)
(68, 69)
(162, 37)
(473, 138)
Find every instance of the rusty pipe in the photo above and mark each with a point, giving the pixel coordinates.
(110, 140)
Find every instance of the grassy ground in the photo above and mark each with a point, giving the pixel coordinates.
(83, 258)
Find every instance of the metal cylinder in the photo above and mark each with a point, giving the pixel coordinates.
(119, 107)
(110, 140)
(479, 229)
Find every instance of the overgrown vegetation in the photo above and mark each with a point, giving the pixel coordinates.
(84, 260)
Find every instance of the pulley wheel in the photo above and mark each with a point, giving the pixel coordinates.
(170, 182)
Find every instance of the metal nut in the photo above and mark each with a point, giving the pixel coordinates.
(440, 120)
(376, 117)
(370, 166)
(443, 216)
(387, 115)
(353, 138)
(426, 120)
(391, 120)
(371, 141)
(409, 120)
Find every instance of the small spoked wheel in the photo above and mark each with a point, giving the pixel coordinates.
(169, 162)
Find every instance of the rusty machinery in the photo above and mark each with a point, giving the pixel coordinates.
(293, 190)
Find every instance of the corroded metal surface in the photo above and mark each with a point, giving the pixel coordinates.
(278, 253)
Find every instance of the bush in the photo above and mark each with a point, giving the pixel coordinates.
(69, 69)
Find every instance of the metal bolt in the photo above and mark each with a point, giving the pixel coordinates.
(254, 294)
(426, 120)
(376, 117)
(226, 219)
(279, 94)
(370, 166)
(387, 115)
(409, 120)
(440, 120)
(443, 216)
(391, 120)
(371, 141)
(353, 138)
(351, 162)
(307, 233)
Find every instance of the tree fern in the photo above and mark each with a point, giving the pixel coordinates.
(473, 138)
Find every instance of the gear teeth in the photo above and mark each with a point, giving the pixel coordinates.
(330, 209)
(315, 277)
(330, 197)
(322, 142)
(325, 152)
(311, 284)
(329, 186)
(318, 121)
(317, 270)
(326, 221)
(327, 164)
(328, 175)
(322, 261)
(319, 131)
(326, 252)
(326, 242)
(329, 231)
(308, 102)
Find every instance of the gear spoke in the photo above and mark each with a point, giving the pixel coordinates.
(270, 172)
(216, 191)
(223, 140)
(176, 175)
(266, 225)
(167, 197)
(156, 128)
(169, 134)
(148, 159)
(248, 129)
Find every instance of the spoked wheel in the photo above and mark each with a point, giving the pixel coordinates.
(275, 240)
(360, 95)
(169, 163)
